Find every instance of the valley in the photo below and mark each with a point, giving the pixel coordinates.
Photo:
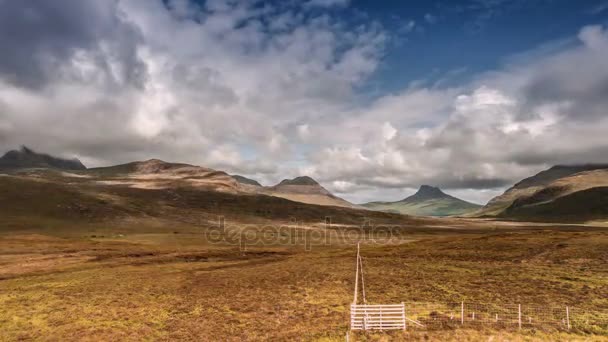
(165, 251)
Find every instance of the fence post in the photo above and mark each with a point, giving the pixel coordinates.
(568, 316)
(357, 277)
(519, 316)
(462, 313)
(404, 317)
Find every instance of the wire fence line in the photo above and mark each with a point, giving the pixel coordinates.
(451, 315)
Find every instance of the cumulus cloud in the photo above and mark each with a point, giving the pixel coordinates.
(328, 3)
(73, 40)
(272, 91)
(219, 75)
(502, 127)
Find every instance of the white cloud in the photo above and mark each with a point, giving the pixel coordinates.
(328, 3)
(481, 137)
(388, 131)
(409, 26)
(429, 18)
(304, 132)
(214, 76)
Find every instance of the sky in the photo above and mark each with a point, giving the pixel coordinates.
(370, 98)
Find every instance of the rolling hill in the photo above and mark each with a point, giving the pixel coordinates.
(35, 193)
(582, 196)
(306, 190)
(549, 194)
(158, 174)
(302, 189)
(46, 198)
(428, 201)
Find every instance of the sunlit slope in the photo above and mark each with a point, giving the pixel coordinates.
(531, 185)
(306, 190)
(37, 196)
(580, 197)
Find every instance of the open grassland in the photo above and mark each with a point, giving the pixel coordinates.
(92, 282)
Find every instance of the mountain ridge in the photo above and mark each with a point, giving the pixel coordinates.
(245, 180)
(530, 185)
(27, 158)
(300, 180)
(158, 174)
(580, 197)
(307, 190)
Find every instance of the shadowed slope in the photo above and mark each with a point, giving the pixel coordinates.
(579, 197)
(26, 158)
(34, 198)
(530, 185)
(427, 201)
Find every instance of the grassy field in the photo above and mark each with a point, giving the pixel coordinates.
(88, 283)
(84, 261)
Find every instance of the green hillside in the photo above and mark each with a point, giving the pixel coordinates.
(428, 201)
(530, 185)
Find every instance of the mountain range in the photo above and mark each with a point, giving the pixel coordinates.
(300, 189)
(155, 193)
(561, 193)
(427, 201)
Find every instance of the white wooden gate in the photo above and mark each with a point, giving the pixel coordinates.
(374, 317)
(377, 317)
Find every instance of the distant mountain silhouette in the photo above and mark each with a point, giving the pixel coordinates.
(27, 158)
(427, 201)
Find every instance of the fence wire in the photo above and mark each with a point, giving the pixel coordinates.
(453, 315)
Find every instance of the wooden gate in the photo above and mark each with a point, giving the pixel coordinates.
(377, 317)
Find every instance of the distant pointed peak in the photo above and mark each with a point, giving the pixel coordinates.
(428, 188)
(25, 157)
(427, 192)
(302, 180)
(26, 150)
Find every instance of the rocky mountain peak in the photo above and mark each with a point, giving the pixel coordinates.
(25, 157)
(426, 192)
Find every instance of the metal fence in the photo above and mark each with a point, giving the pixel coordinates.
(435, 315)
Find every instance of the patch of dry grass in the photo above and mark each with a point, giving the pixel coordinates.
(165, 286)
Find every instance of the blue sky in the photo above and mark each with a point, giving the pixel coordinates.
(458, 39)
(370, 98)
